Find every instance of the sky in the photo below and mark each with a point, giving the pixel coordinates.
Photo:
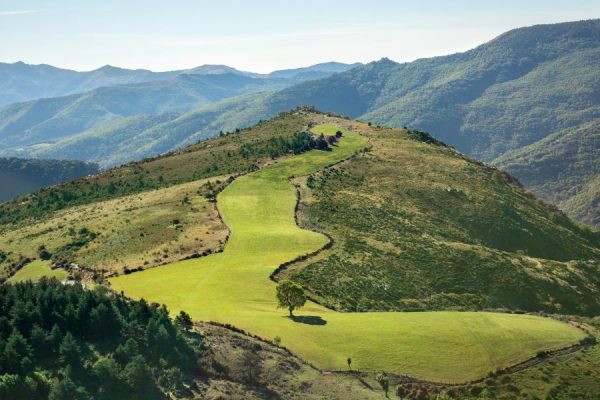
(259, 36)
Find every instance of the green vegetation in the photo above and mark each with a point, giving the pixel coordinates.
(417, 226)
(131, 232)
(562, 168)
(19, 176)
(514, 91)
(217, 157)
(137, 114)
(565, 376)
(35, 270)
(63, 342)
(142, 215)
(233, 287)
(290, 296)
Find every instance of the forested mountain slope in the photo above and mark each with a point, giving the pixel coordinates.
(564, 169)
(512, 92)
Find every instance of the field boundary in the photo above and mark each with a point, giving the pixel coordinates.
(540, 357)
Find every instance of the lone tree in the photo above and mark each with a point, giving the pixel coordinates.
(290, 295)
(349, 361)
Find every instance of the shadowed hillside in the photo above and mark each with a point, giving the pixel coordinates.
(19, 176)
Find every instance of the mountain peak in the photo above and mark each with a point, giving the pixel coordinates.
(214, 69)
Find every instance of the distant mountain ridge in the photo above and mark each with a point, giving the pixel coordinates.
(490, 102)
(20, 82)
(512, 92)
(40, 123)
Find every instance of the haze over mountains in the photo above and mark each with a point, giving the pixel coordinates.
(503, 102)
(21, 82)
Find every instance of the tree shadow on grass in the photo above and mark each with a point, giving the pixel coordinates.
(308, 319)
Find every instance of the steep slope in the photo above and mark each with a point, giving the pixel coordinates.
(563, 168)
(418, 226)
(19, 176)
(497, 98)
(503, 95)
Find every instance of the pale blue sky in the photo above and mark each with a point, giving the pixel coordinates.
(259, 35)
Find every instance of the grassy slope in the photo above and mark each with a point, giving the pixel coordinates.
(566, 376)
(510, 92)
(417, 226)
(216, 157)
(45, 217)
(35, 270)
(132, 231)
(233, 287)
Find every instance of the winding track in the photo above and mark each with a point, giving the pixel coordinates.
(234, 287)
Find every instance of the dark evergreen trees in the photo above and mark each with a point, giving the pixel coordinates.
(64, 342)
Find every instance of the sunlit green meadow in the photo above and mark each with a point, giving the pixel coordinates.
(234, 287)
(36, 270)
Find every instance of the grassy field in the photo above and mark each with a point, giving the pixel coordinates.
(35, 270)
(233, 287)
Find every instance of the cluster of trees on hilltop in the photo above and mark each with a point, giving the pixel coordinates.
(63, 342)
(300, 142)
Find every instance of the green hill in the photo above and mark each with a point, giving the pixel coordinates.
(415, 226)
(418, 226)
(440, 208)
(93, 125)
(19, 176)
(512, 92)
(44, 121)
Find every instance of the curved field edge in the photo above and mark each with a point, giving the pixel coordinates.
(35, 270)
(233, 287)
